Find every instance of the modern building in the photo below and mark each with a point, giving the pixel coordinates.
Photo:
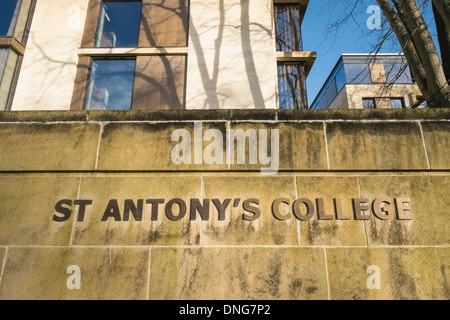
(366, 81)
(148, 54)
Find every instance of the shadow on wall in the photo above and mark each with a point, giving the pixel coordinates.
(217, 90)
(168, 86)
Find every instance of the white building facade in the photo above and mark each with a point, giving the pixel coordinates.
(147, 54)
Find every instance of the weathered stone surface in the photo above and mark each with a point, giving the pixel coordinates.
(27, 209)
(405, 273)
(331, 232)
(225, 114)
(94, 231)
(237, 273)
(436, 135)
(51, 147)
(234, 230)
(234, 258)
(375, 146)
(301, 145)
(364, 114)
(41, 273)
(429, 207)
(150, 149)
(2, 255)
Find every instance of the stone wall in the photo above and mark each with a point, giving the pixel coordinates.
(47, 247)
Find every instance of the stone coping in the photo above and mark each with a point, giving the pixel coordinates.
(227, 115)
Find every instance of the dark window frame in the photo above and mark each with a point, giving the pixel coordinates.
(15, 40)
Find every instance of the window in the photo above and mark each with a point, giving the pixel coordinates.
(356, 73)
(422, 103)
(118, 25)
(332, 87)
(340, 79)
(8, 65)
(397, 103)
(14, 22)
(398, 73)
(292, 69)
(111, 85)
(369, 103)
(7, 21)
(287, 26)
(291, 86)
(146, 64)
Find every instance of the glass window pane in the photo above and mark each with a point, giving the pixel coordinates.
(291, 86)
(7, 10)
(357, 73)
(397, 73)
(340, 79)
(369, 103)
(8, 66)
(288, 29)
(119, 24)
(111, 85)
(3, 57)
(397, 103)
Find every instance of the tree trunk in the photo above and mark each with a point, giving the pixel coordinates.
(438, 88)
(407, 45)
(442, 19)
(419, 49)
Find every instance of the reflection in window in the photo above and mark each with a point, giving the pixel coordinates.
(288, 31)
(118, 24)
(397, 103)
(7, 16)
(8, 65)
(291, 86)
(397, 73)
(3, 56)
(369, 103)
(111, 85)
(357, 73)
(340, 79)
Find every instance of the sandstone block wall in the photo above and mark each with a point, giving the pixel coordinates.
(47, 157)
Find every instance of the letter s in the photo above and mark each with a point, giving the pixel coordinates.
(252, 209)
(67, 212)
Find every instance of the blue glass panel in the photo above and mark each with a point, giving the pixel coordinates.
(340, 79)
(111, 85)
(7, 8)
(357, 73)
(397, 103)
(397, 73)
(119, 24)
(369, 103)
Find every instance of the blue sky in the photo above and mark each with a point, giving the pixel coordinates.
(353, 37)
